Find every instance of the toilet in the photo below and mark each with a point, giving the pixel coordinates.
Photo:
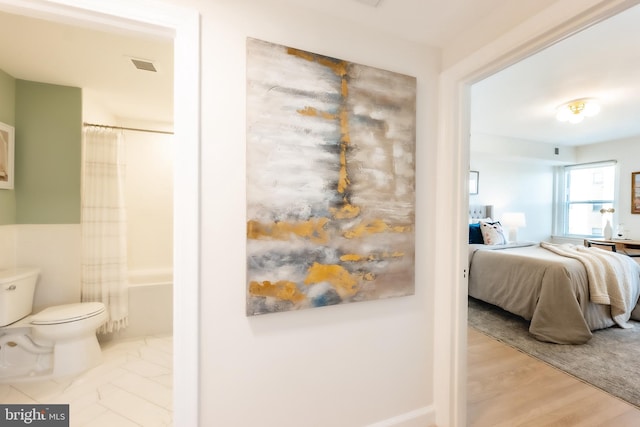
(56, 342)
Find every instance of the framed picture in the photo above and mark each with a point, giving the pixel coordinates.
(330, 180)
(6, 156)
(474, 177)
(635, 192)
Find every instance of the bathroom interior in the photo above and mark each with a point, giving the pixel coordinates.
(53, 80)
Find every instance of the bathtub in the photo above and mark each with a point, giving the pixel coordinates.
(150, 305)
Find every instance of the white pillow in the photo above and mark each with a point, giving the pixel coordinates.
(492, 233)
(477, 220)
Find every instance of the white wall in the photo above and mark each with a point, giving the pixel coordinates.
(516, 186)
(517, 176)
(627, 154)
(54, 249)
(348, 365)
(8, 242)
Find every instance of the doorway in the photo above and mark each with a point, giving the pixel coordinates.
(183, 25)
(453, 164)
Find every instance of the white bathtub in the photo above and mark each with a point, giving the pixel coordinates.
(150, 305)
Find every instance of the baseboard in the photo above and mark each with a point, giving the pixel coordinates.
(421, 417)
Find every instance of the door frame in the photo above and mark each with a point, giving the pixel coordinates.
(182, 25)
(557, 22)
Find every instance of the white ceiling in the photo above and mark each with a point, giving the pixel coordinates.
(601, 62)
(96, 61)
(432, 22)
(519, 102)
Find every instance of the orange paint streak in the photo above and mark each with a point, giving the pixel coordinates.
(351, 257)
(344, 90)
(341, 280)
(312, 229)
(340, 68)
(301, 54)
(345, 140)
(343, 181)
(282, 289)
(337, 66)
(373, 227)
(346, 211)
(313, 112)
(372, 257)
(344, 127)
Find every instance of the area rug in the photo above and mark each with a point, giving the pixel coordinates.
(609, 361)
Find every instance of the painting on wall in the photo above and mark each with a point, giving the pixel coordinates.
(330, 180)
(6, 156)
(635, 193)
(474, 182)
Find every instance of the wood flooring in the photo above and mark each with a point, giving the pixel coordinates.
(509, 388)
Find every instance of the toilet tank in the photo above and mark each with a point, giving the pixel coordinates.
(17, 286)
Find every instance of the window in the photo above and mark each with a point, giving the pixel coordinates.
(588, 188)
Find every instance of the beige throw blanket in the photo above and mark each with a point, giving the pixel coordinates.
(612, 277)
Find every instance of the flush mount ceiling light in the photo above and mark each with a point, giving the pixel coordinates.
(575, 111)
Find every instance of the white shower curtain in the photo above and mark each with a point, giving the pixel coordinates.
(104, 228)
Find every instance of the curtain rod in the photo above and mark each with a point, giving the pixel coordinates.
(125, 128)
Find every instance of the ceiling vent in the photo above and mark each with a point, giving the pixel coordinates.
(144, 65)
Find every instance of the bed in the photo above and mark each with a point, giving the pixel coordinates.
(553, 289)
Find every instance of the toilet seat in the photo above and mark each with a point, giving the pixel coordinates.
(67, 313)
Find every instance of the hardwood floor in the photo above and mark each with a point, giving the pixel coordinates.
(509, 388)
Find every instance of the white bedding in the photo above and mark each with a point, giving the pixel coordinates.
(550, 290)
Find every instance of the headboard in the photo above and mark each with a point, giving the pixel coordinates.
(478, 212)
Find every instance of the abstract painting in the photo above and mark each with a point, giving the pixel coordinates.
(330, 180)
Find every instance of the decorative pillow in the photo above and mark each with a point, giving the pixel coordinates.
(477, 220)
(492, 233)
(475, 235)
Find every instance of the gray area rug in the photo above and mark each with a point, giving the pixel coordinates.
(609, 361)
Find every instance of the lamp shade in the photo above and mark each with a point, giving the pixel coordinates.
(513, 219)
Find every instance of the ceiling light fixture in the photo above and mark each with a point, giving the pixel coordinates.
(575, 111)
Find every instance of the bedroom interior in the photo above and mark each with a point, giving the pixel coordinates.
(516, 142)
(520, 151)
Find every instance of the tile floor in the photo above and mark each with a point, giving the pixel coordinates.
(132, 387)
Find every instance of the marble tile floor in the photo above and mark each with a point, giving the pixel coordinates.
(132, 387)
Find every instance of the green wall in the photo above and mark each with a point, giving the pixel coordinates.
(48, 122)
(7, 116)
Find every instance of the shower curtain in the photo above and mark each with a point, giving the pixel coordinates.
(103, 217)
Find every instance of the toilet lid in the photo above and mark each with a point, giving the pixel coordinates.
(67, 313)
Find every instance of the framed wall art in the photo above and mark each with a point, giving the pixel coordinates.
(330, 180)
(7, 147)
(635, 192)
(474, 181)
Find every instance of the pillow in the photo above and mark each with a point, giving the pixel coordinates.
(492, 233)
(477, 220)
(475, 235)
